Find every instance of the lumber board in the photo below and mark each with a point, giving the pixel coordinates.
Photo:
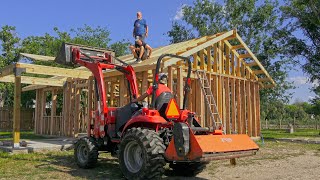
(16, 112)
(195, 61)
(237, 47)
(244, 56)
(38, 57)
(254, 107)
(209, 59)
(202, 59)
(227, 105)
(258, 122)
(53, 111)
(170, 77)
(239, 108)
(243, 108)
(33, 80)
(215, 57)
(233, 106)
(54, 71)
(227, 60)
(77, 112)
(249, 107)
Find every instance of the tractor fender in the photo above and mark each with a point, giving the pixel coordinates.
(144, 121)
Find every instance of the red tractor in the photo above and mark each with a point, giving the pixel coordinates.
(146, 138)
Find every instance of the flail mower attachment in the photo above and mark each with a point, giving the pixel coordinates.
(208, 147)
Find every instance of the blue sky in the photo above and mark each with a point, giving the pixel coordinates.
(36, 17)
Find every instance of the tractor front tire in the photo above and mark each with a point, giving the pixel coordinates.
(86, 153)
(141, 154)
(188, 169)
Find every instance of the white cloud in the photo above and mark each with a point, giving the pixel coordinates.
(310, 97)
(298, 80)
(301, 80)
(179, 13)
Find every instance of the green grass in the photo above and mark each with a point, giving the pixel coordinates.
(277, 133)
(28, 135)
(55, 165)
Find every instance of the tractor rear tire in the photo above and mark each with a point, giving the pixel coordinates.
(141, 154)
(86, 153)
(188, 169)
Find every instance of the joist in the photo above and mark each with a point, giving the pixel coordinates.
(34, 80)
(251, 64)
(244, 56)
(54, 71)
(256, 72)
(237, 47)
(38, 57)
(264, 79)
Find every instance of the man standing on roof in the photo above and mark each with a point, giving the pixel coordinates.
(161, 88)
(140, 27)
(140, 50)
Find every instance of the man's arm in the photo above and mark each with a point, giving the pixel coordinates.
(142, 97)
(147, 30)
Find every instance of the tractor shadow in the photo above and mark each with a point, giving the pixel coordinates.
(106, 168)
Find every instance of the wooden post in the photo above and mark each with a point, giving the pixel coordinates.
(53, 111)
(227, 105)
(238, 96)
(258, 124)
(249, 106)
(77, 112)
(243, 107)
(144, 83)
(16, 111)
(233, 106)
(170, 77)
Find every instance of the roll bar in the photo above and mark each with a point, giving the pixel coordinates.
(156, 78)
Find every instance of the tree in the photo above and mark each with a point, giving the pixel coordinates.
(260, 25)
(304, 26)
(9, 54)
(304, 16)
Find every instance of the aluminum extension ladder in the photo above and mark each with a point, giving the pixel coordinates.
(210, 102)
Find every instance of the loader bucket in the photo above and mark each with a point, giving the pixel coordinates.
(214, 147)
(65, 53)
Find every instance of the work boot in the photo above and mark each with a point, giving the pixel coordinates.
(138, 60)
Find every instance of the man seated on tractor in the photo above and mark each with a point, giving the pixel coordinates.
(140, 50)
(161, 88)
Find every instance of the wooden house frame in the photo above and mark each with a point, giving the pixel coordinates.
(235, 74)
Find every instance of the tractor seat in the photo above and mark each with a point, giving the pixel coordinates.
(162, 103)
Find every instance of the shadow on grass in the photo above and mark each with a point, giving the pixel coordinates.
(106, 168)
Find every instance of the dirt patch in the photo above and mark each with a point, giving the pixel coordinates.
(274, 161)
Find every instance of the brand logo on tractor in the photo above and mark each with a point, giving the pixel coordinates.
(226, 140)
